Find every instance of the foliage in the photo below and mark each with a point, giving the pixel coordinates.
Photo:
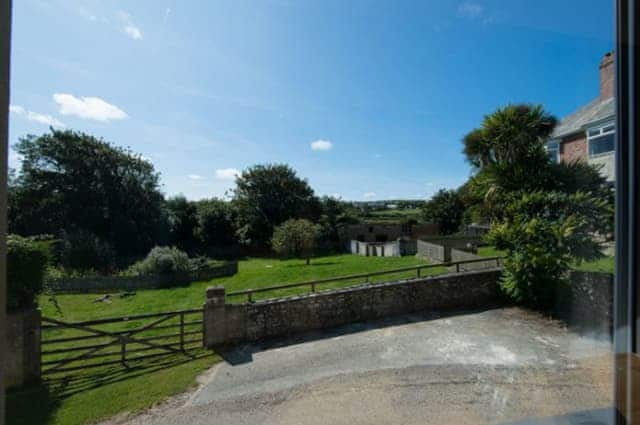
(26, 267)
(162, 260)
(267, 195)
(543, 232)
(183, 221)
(216, 224)
(84, 252)
(295, 238)
(334, 215)
(445, 209)
(72, 182)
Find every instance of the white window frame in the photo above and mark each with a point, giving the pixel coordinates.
(554, 145)
(599, 131)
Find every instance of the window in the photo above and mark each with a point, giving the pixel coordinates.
(601, 139)
(553, 150)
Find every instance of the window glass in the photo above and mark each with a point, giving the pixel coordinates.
(602, 144)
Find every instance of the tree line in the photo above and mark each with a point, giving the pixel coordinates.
(105, 207)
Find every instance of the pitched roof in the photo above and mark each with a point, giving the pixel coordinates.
(592, 112)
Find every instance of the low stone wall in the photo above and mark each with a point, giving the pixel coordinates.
(589, 305)
(133, 283)
(439, 249)
(460, 255)
(432, 251)
(229, 323)
(22, 349)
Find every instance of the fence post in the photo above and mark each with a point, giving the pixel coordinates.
(214, 317)
(418, 272)
(457, 267)
(123, 350)
(181, 331)
(250, 296)
(313, 287)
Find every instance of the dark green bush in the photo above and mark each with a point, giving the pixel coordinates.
(82, 251)
(26, 266)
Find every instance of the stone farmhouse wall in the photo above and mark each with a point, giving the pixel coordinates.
(228, 323)
(132, 283)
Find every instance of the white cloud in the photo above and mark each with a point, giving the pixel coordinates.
(90, 108)
(471, 10)
(227, 174)
(369, 195)
(35, 116)
(321, 145)
(132, 30)
(195, 177)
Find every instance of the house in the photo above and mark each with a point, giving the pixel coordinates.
(588, 133)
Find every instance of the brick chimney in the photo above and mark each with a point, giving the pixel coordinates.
(607, 73)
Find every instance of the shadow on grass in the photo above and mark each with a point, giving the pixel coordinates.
(313, 264)
(35, 404)
(240, 354)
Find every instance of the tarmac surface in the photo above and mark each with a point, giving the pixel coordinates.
(501, 366)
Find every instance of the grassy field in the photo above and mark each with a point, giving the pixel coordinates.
(83, 397)
(394, 216)
(604, 264)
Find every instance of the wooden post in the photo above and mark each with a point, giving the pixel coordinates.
(313, 287)
(418, 271)
(123, 350)
(250, 296)
(457, 267)
(181, 331)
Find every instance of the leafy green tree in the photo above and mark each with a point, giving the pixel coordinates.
(446, 210)
(71, 181)
(543, 233)
(334, 215)
(295, 238)
(182, 215)
(267, 195)
(216, 225)
(27, 260)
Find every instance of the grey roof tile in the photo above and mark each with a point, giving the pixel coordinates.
(592, 112)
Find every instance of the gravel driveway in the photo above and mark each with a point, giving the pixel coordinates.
(496, 366)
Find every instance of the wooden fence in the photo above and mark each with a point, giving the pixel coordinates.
(71, 346)
(313, 284)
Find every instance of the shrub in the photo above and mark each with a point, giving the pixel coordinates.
(445, 209)
(163, 260)
(26, 266)
(83, 251)
(543, 232)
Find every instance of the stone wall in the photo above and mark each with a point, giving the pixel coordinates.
(132, 283)
(460, 255)
(589, 305)
(22, 351)
(439, 249)
(432, 251)
(228, 323)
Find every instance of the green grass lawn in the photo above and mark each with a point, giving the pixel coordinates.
(394, 216)
(87, 396)
(604, 264)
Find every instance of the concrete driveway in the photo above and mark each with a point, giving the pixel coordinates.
(495, 366)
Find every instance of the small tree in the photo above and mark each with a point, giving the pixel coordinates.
(446, 210)
(543, 232)
(295, 238)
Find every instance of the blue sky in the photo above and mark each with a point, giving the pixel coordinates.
(366, 99)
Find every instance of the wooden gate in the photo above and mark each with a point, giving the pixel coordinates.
(71, 346)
